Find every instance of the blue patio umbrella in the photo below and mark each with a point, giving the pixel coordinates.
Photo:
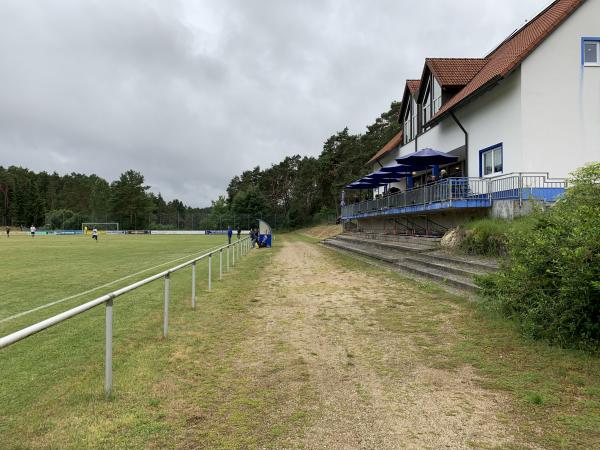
(381, 175)
(381, 181)
(427, 157)
(396, 168)
(364, 185)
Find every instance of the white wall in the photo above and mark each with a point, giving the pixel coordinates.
(561, 98)
(494, 118)
(445, 136)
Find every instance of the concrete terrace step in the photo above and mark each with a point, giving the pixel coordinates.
(407, 264)
(394, 237)
(461, 264)
(459, 281)
(383, 256)
(404, 247)
(455, 270)
(444, 267)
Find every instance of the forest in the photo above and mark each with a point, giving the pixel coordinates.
(299, 190)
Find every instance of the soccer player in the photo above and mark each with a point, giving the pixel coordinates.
(95, 234)
(32, 230)
(7, 232)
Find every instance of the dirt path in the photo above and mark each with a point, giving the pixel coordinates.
(351, 350)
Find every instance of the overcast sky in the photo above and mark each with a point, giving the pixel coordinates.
(193, 92)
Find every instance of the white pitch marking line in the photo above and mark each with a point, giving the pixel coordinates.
(71, 297)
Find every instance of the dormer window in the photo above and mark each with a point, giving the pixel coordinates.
(432, 99)
(427, 104)
(408, 125)
(437, 96)
(414, 117)
(410, 120)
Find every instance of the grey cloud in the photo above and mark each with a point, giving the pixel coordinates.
(192, 93)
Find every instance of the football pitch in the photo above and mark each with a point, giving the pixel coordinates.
(61, 369)
(46, 275)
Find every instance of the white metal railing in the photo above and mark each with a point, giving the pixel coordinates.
(240, 247)
(508, 186)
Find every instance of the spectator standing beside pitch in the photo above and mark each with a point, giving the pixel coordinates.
(7, 232)
(32, 230)
(239, 232)
(229, 233)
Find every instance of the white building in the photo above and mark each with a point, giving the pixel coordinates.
(531, 105)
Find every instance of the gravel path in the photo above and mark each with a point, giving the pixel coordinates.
(349, 349)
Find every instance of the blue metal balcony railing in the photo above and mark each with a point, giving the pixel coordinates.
(471, 192)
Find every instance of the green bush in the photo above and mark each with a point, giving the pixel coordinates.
(550, 283)
(491, 236)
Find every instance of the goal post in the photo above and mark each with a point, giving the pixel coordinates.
(87, 227)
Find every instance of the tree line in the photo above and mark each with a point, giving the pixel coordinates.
(294, 192)
(64, 202)
(303, 190)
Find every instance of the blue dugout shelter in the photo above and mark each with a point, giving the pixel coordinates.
(265, 235)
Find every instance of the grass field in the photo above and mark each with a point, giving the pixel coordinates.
(61, 368)
(298, 347)
(46, 269)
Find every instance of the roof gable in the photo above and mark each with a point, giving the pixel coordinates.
(455, 72)
(510, 54)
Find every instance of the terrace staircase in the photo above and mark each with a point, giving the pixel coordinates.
(418, 256)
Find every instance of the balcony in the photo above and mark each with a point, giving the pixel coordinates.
(460, 193)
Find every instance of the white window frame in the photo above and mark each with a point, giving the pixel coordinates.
(499, 148)
(596, 42)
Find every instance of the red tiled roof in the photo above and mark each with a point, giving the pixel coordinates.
(455, 72)
(394, 142)
(413, 86)
(510, 53)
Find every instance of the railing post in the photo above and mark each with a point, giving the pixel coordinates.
(228, 250)
(166, 307)
(209, 271)
(220, 264)
(233, 256)
(108, 350)
(520, 189)
(194, 285)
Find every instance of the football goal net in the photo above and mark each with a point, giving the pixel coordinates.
(87, 227)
